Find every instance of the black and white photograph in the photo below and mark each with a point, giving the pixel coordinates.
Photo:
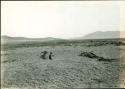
(62, 44)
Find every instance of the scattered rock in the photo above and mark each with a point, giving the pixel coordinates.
(92, 55)
(8, 61)
(88, 54)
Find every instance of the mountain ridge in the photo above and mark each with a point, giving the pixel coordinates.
(102, 35)
(93, 35)
(8, 39)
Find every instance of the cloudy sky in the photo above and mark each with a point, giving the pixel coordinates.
(62, 19)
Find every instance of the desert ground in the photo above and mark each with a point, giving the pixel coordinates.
(75, 64)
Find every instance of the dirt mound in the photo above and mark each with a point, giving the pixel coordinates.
(92, 55)
(88, 54)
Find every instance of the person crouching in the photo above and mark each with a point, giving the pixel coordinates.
(51, 55)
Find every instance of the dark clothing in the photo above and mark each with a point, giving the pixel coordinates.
(50, 55)
(43, 55)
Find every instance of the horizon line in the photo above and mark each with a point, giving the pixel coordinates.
(60, 37)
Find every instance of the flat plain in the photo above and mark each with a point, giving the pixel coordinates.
(22, 67)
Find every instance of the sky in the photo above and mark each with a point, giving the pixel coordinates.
(60, 19)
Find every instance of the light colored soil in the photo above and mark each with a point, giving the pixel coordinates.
(67, 69)
(122, 67)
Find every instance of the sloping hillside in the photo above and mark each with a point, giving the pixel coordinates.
(102, 35)
(8, 39)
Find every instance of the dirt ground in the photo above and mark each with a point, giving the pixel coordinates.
(22, 68)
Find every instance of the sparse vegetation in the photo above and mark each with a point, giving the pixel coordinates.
(8, 61)
(92, 55)
(22, 67)
(88, 54)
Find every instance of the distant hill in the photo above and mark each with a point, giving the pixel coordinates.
(102, 35)
(94, 35)
(8, 39)
(13, 38)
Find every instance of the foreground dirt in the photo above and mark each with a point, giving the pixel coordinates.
(24, 69)
(122, 67)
